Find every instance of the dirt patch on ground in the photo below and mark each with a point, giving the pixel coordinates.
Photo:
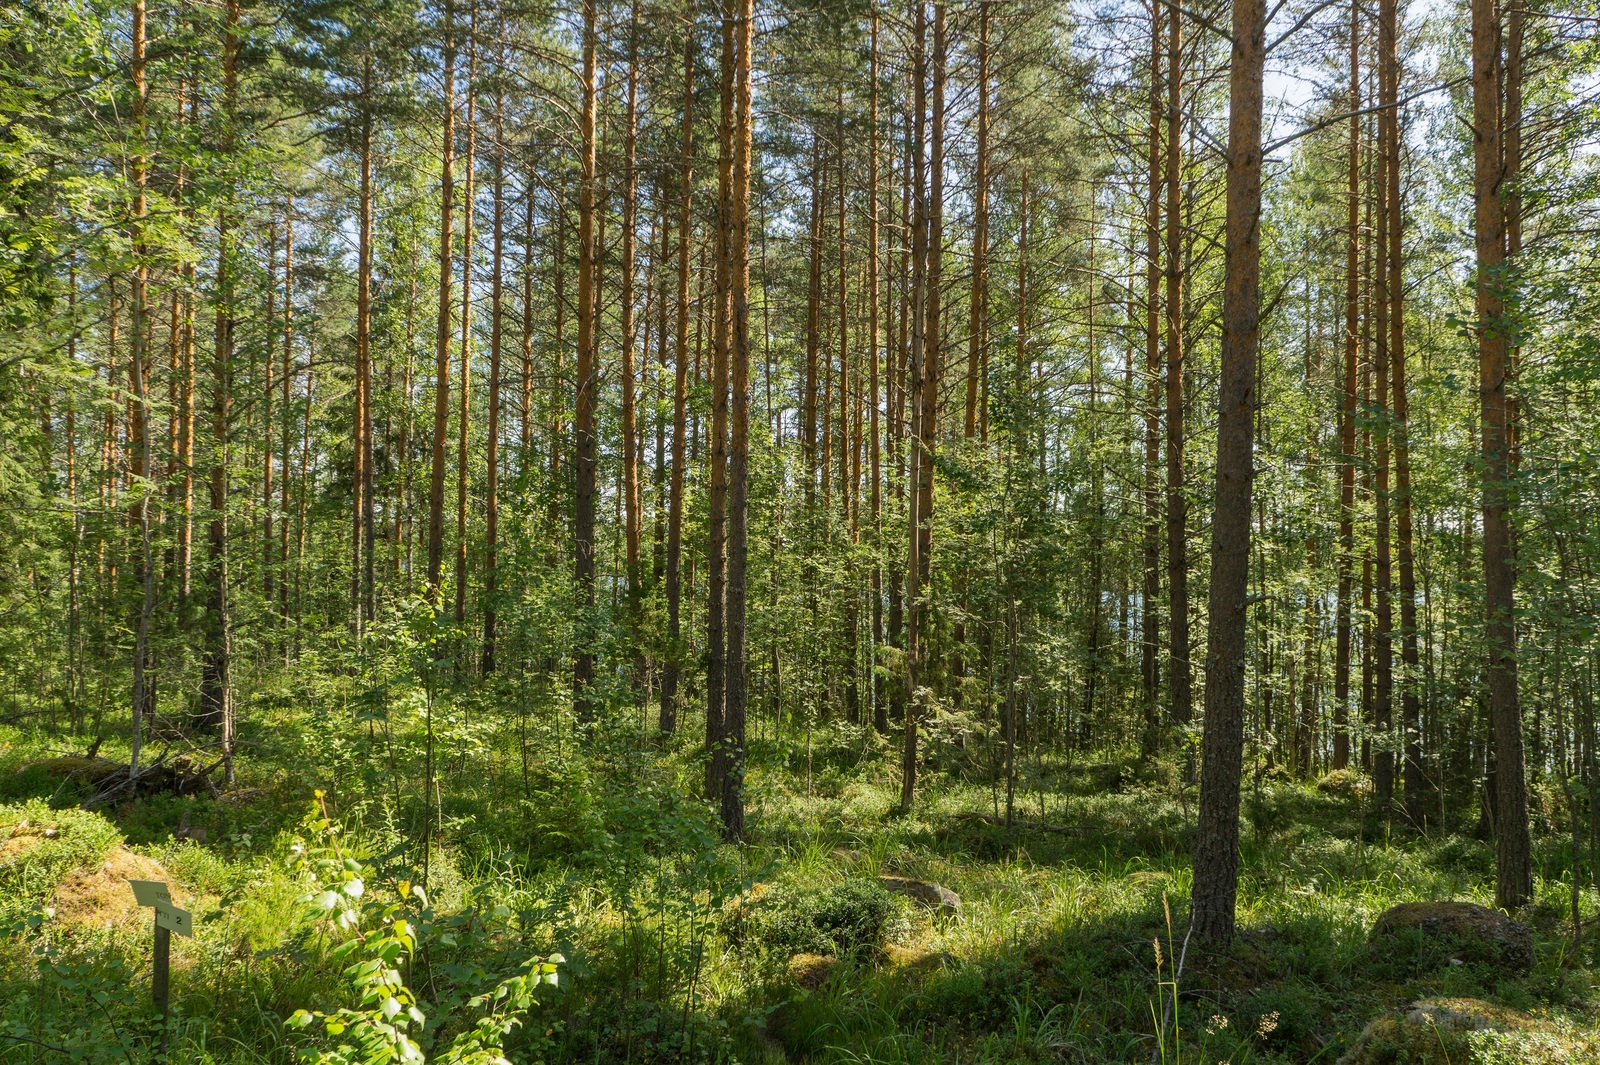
(101, 897)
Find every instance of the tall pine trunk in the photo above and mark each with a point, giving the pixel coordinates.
(491, 456)
(630, 417)
(585, 445)
(216, 684)
(880, 706)
(464, 398)
(977, 324)
(1513, 868)
(361, 540)
(1216, 856)
(441, 381)
(1179, 672)
(926, 345)
(733, 724)
(1415, 784)
(1149, 659)
(717, 519)
(139, 412)
(680, 386)
(1347, 411)
(1383, 589)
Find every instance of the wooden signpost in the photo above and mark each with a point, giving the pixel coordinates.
(169, 919)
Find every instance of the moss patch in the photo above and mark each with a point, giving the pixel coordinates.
(42, 846)
(1467, 1031)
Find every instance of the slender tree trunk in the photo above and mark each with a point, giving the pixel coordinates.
(268, 395)
(491, 457)
(441, 382)
(630, 418)
(917, 370)
(286, 377)
(808, 437)
(927, 246)
(1023, 412)
(717, 553)
(733, 724)
(525, 457)
(1415, 783)
(899, 386)
(880, 706)
(1368, 650)
(1150, 670)
(849, 637)
(680, 387)
(464, 399)
(661, 279)
(1513, 869)
(216, 697)
(185, 382)
(585, 446)
(1179, 671)
(558, 387)
(1216, 858)
(825, 412)
(362, 537)
(75, 540)
(1383, 652)
(1511, 199)
(1347, 414)
(1305, 729)
(977, 316)
(1092, 616)
(144, 702)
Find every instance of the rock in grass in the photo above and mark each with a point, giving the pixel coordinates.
(1345, 782)
(88, 770)
(933, 896)
(848, 918)
(1464, 930)
(1467, 1031)
(810, 971)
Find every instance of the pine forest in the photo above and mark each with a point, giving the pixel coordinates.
(742, 532)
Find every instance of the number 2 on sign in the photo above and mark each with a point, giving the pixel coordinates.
(174, 919)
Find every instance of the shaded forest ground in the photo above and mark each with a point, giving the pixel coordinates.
(675, 947)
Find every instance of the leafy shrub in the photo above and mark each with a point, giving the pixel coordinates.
(848, 919)
(379, 941)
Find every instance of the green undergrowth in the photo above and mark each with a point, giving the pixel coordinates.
(673, 945)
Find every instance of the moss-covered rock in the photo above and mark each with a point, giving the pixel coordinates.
(913, 961)
(810, 971)
(1467, 1031)
(88, 770)
(1346, 783)
(931, 896)
(1436, 933)
(850, 918)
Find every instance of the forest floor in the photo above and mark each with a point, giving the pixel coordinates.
(671, 946)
